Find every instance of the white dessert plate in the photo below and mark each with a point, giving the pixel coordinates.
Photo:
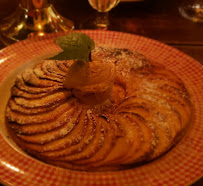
(182, 165)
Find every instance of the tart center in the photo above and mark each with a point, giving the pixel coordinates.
(91, 82)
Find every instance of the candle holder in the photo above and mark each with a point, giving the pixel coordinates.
(32, 18)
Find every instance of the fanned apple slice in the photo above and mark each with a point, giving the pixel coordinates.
(23, 119)
(88, 137)
(91, 148)
(161, 127)
(137, 138)
(123, 144)
(157, 104)
(164, 80)
(64, 65)
(109, 140)
(48, 136)
(131, 101)
(148, 140)
(166, 110)
(68, 63)
(151, 92)
(44, 127)
(162, 71)
(41, 74)
(50, 68)
(73, 138)
(139, 109)
(35, 90)
(164, 139)
(31, 79)
(184, 110)
(44, 101)
(179, 103)
(16, 92)
(15, 107)
(176, 96)
(116, 126)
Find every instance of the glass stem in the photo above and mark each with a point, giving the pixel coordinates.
(102, 20)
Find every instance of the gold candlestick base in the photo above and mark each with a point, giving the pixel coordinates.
(24, 23)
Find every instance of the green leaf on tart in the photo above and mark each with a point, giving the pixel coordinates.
(75, 46)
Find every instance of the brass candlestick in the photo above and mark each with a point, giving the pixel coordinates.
(32, 18)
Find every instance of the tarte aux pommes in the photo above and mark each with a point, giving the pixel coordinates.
(112, 113)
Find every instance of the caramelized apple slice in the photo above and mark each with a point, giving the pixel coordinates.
(35, 90)
(163, 108)
(89, 136)
(163, 72)
(50, 68)
(44, 101)
(161, 127)
(44, 127)
(73, 138)
(17, 108)
(48, 136)
(62, 65)
(41, 74)
(149, 140)
(31, 79)
(164, 139)
(123, 144)
(23, 119)
(91, 148)
(137, 138)
(109, 140)
(16, 92)
(131, 101)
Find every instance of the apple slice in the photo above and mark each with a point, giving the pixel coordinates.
(64, 65)
(16, 92)
(148, 140)
(31, 79)
(42, 127)
(91, 148)
(35, 90)
(109, 140)
(136, 134)
(50, 68)
(23, 119)
(46, 101)
(17, 108)
(160, 127)
(42, 75)
(72, 138)
(123, 144)
(88, 137)
(67, 122)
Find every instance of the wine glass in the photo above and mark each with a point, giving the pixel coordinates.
(32, 18)
(192, 10)
(101, 21)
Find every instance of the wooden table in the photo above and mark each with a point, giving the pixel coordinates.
(156, 19)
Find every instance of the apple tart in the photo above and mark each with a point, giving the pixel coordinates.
(113, 113)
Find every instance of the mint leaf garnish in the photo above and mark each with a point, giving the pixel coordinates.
(75, 46)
